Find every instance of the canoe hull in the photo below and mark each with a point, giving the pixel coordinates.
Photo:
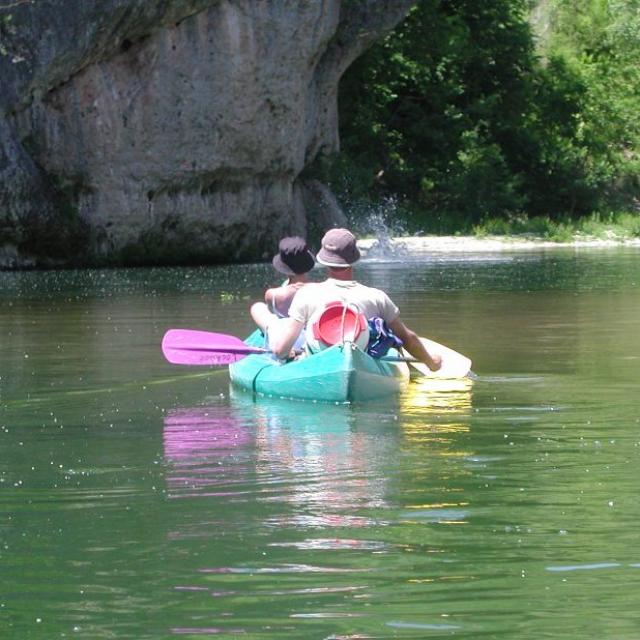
(342, 373)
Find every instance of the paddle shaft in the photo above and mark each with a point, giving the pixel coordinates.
(399, 359)
(246, 351)
(257, 350)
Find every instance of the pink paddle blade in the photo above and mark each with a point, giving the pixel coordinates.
(191, 347)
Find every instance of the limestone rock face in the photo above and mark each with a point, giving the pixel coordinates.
(170, 131)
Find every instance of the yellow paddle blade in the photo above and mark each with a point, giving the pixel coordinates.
(454, 364)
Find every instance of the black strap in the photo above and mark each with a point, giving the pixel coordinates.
(255, 378)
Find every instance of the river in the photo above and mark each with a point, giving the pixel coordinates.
(144, 500)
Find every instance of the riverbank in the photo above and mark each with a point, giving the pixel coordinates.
(475, 244)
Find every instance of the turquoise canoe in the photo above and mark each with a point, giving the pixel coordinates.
(342, 373)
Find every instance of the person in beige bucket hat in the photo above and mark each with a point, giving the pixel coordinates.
(339, 252)
(339, 249)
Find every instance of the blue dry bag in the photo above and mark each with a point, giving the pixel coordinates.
(381, 338)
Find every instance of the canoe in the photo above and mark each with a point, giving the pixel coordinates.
(342, 373)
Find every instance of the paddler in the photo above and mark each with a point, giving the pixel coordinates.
(338, 254)
(295, 261)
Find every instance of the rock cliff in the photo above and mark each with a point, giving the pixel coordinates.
(169, 131)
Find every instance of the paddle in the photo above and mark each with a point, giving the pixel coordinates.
(454, 364)
(193, 347)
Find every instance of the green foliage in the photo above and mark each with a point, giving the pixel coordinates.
(600, 41)
(417, 110)
(542, 227)
(599, 226)
(457, 116)
(610, 225)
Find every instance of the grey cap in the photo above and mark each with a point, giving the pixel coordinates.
(338, 249)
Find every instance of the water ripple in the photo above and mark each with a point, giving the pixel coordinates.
(282, 569)
(584, 567)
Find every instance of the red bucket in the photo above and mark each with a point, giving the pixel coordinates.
(338, 323)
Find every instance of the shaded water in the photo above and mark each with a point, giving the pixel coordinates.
(141, 500)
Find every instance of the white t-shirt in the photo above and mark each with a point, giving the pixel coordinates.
(314, 297)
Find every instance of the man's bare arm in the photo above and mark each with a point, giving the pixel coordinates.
(411, 342)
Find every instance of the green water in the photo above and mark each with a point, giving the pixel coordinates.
(140, 500)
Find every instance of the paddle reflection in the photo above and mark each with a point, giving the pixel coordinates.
(206, 447)
(436, 409)
(429, 396)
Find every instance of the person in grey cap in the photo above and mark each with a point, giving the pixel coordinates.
(339, 253)
(293, 260)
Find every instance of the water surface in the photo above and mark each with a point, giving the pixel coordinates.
(142, 500)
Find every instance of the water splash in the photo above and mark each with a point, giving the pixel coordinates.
(380, 221)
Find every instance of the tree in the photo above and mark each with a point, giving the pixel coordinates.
(458, 116)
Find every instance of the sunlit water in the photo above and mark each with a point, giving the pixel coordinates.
(142, 500)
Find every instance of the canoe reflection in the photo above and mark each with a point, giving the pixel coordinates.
(325, 461)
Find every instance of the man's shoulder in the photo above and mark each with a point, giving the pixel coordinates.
(374, 292)
(308, 288)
